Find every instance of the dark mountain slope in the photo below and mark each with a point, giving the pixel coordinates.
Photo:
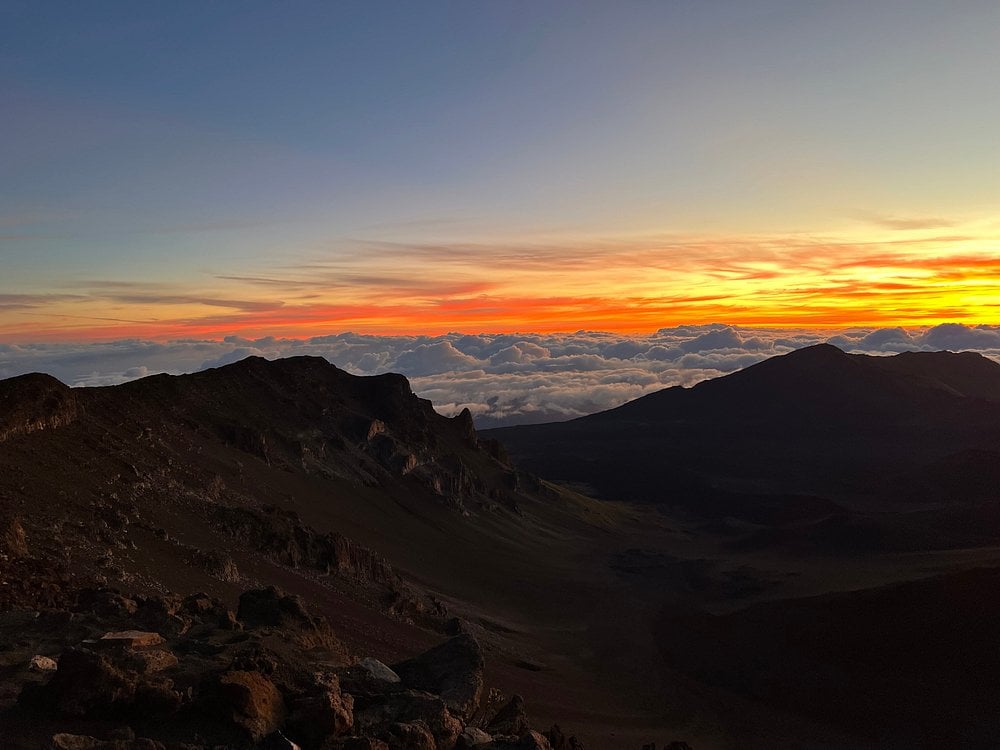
(395, 523)
(816, 421)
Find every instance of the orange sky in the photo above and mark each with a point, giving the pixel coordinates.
(904, 277)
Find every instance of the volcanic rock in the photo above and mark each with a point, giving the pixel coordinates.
(378, 715)
(41, 663)
(86, 684)
(453, 670)
(378, 670)
(130, 639)
(327, 713)
(472, 737)
(511, 719)
(13, 541)
(252, 701)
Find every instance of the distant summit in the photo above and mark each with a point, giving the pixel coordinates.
(816, 421)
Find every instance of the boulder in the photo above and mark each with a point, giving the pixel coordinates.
(133, 639)
(379, 713)
(378, 671)
(162, 614)
(472, 737)
(151, 661)
(325, 713)
(87, 684)
(453, 670)
(532, 740)
(511, 719)
(253, 703)
(106, 603)
(411, 735)
(270, 607)
(560, 741)
(41, 663)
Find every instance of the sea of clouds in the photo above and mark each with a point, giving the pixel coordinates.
(501, 378)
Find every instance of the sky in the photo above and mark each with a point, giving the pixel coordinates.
(208, 169)
(547, 199)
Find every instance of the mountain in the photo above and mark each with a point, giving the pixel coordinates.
(816, 422)
(256, 522)
(251, 555)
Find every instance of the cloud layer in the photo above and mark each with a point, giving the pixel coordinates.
(501, 378)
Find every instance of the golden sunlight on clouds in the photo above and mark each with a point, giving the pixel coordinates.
(907, 277)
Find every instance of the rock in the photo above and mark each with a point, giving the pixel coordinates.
(148, 662)
(411, 735)
(162, 614)
(157, 697)
(278, 741)
(472, 737)
(453, 670)
(380, 712)
(533, 740)
(86, 684)
(270, 607)
(362, 685)
(65, 741)
(354, 743)
(106, 603)
(253, 702)
(130, 639)
(13, 541)
(41, 663)
(556, 738)
(329, 713)
(378, 670)
(511, 719)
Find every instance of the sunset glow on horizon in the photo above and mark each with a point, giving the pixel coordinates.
(625, 286)
(214, 170)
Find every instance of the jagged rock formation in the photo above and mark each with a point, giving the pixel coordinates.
(207, 679)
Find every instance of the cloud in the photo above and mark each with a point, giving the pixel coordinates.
(955, 336)
(501, 378)
(907, 222)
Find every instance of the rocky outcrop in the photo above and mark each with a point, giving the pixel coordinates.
(453, 670)
(182, 672)
(272, 608)
(511, 719)
(252, 702)
(35, 402)
(282, 535)
(325, 712)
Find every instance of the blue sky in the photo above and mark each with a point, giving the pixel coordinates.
(168, 145)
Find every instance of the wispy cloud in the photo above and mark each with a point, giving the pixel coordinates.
(906, 223)
(635, 283)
